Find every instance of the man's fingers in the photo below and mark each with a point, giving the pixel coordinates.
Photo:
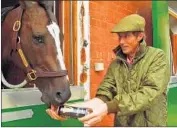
(93, 121)
(87, 117)
(78, 104)
(86, 125)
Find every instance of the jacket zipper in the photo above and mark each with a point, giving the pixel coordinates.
(128, 75)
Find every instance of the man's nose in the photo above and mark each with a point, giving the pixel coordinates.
(122, 40)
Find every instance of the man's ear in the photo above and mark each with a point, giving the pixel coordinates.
(140, 36)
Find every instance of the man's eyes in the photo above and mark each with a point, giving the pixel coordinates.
(125, 35)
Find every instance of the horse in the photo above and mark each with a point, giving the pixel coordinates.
(30, 48)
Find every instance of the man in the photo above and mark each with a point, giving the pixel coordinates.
(136, 81)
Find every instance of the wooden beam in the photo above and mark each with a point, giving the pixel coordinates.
(67, 46)
(74, 11)
(172, 13)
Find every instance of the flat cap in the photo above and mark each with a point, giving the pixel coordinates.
(131, 23)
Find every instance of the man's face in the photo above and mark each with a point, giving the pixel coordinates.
(129, 42)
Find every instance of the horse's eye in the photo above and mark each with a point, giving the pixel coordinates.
(38, 39)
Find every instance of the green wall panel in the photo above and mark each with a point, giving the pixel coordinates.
(39, 119)
(161, 35)
(172, 106)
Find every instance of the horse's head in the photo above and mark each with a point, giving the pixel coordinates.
(39, 38)
(40, 41)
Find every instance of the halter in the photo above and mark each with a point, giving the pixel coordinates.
(16, 45)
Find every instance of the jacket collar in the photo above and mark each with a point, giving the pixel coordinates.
(121, 56)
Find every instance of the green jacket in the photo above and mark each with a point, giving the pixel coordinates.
(137, 92)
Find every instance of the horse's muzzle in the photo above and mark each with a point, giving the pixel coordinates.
(57, 97)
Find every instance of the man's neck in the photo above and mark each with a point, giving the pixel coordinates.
(130, 59)
(131, 56)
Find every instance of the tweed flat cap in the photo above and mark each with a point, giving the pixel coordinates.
(133, 22)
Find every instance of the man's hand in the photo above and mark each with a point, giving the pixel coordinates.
(96, 116)
(99, 109)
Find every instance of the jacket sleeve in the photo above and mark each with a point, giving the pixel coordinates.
(153, 84)
(107, 89)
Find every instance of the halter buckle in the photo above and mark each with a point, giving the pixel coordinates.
(32, 75)
(17, 26)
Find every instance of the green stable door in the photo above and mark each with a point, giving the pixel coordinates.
(23, 108)
(161, 39)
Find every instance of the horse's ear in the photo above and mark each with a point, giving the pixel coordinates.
(27, 4)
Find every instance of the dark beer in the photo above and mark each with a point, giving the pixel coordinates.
(73, 112)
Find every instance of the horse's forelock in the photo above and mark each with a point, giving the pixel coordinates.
(47, 8)
(27, 4)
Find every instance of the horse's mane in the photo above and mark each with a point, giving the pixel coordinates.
(43, 4)
(5, 10)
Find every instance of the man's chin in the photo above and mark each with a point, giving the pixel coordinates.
(125, 52)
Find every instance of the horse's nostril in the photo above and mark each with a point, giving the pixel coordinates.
(61, 96)
(58, 94)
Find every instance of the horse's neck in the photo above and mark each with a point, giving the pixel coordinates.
(4, 12)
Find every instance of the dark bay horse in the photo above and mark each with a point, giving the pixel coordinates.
(31, 49)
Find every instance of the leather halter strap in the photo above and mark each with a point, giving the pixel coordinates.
(16, 45)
